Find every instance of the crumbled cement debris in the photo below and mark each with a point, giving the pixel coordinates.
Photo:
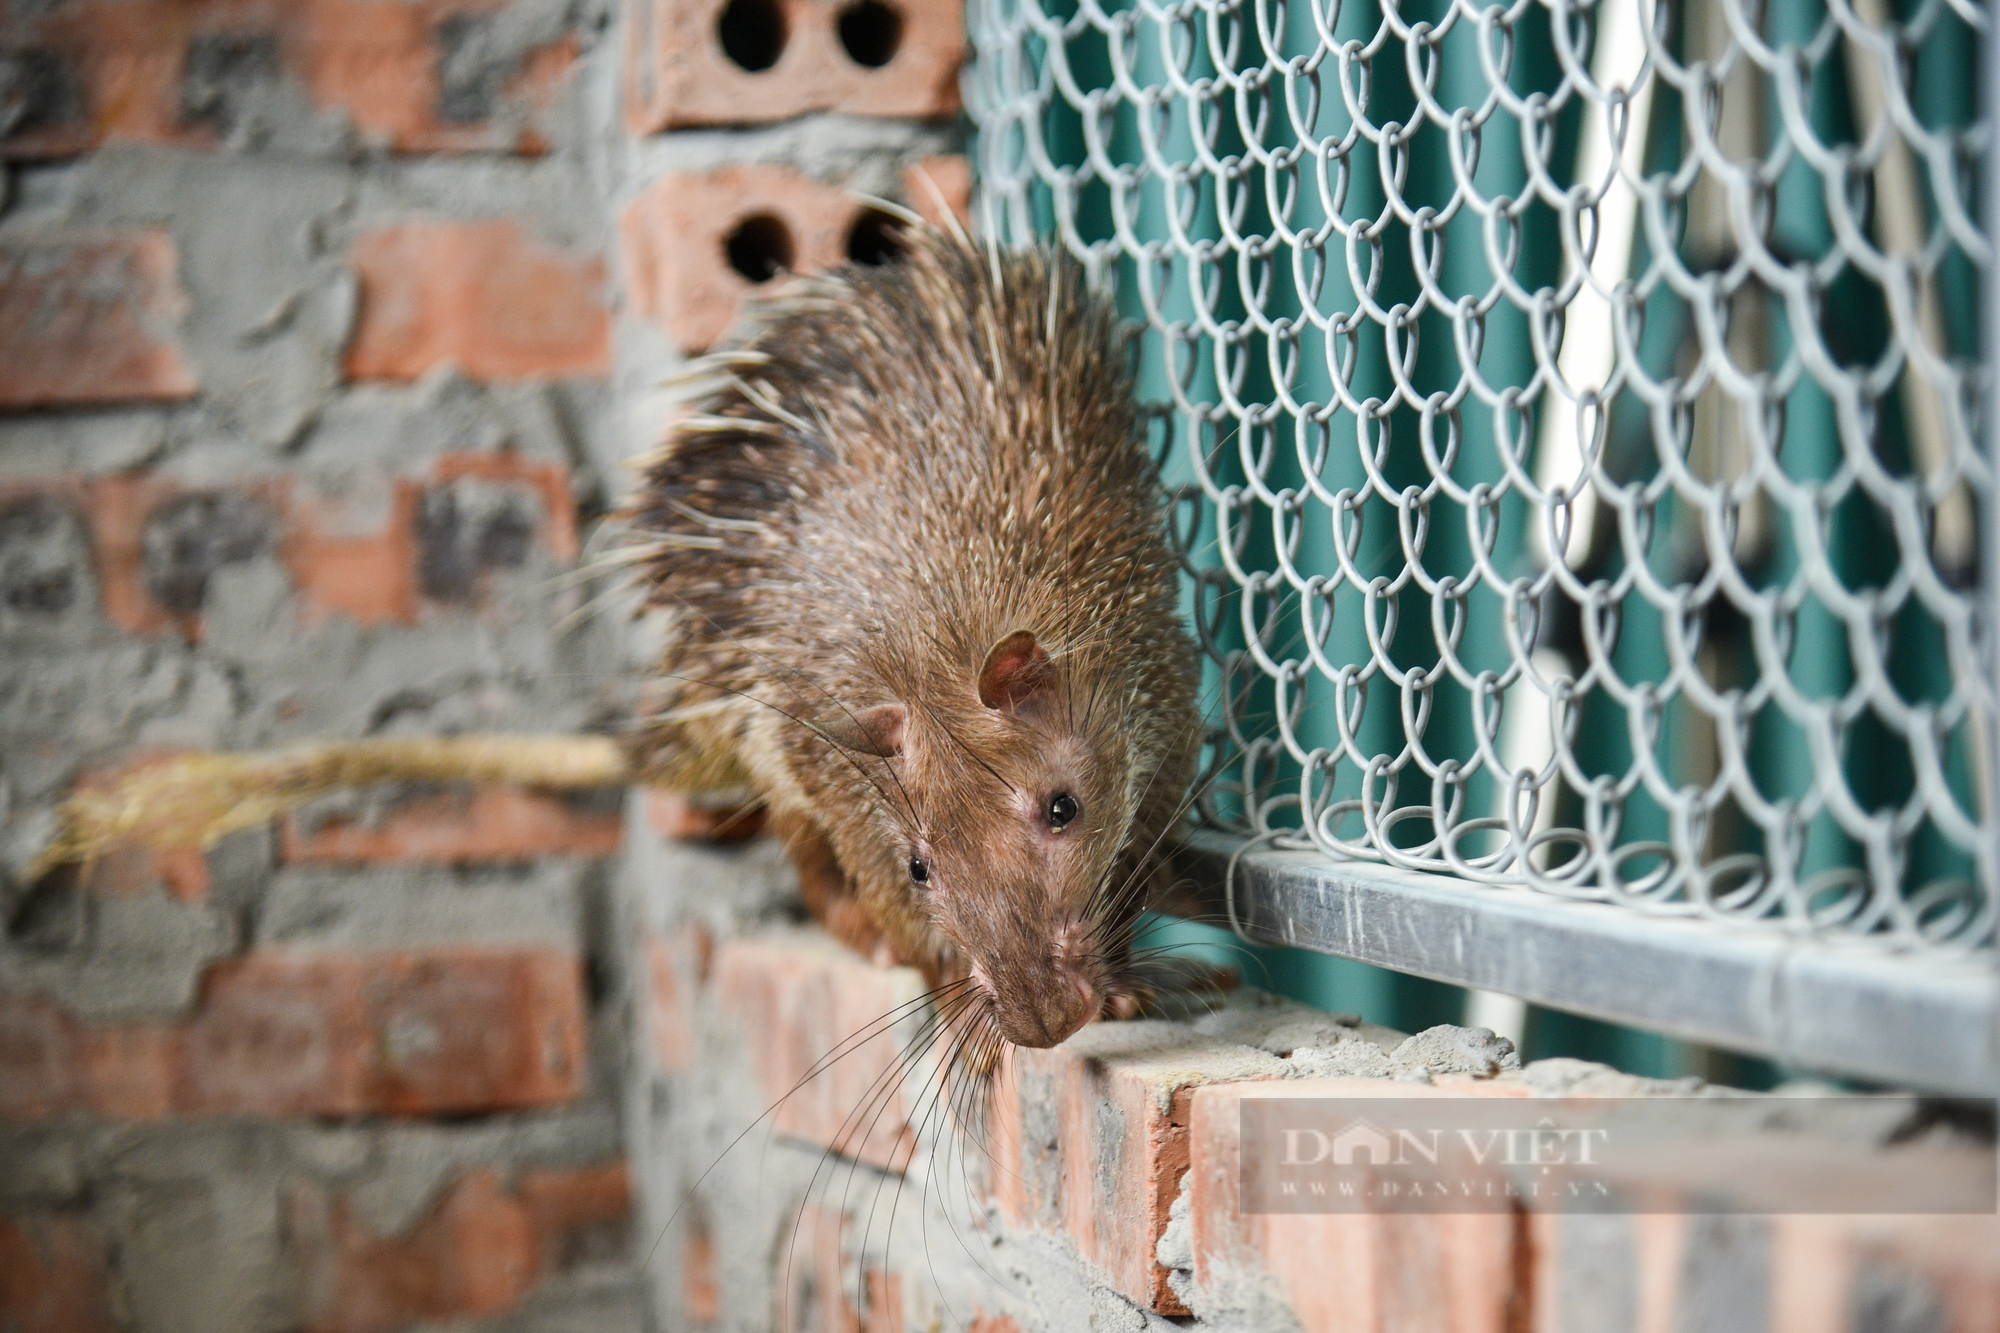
(1449, 1049)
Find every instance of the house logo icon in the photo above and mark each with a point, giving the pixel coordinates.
(1362, 1144)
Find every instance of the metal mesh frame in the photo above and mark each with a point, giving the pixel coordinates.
(1571, 413)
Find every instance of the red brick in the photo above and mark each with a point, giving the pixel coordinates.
(40, 1060)
(1821, 1265)
(567, 1206)
(549, 481)
(1120, 1097)
(814, 1257)
(478, 1251)
(130, 1071)
(475, 1254)
(345, 556)
(479, 825)
(828, 1284)
(469, 1030)
(678, 74)
(1341, 1272)
(89, 320)
(676, 237)
(430, 1032)
(52, 1065)
(484, 296)
(1822, 1269)
(118, 508)
(675, 241)
(52, 1277)
(379, 64)
(279, 1034)
(125, 65)
(885, 1302)
(364, 565)
(701, 1281)
(684, 819)
(806, 997)
(674, 968)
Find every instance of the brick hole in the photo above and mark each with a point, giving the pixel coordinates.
(870, 33)
(752, 33)
(187, 540)
(876, 238)
(760, 248)
(38, 90)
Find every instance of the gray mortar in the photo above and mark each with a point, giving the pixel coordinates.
(111, 959)
(1449, 1049)
(194, 1212)
(403, 908)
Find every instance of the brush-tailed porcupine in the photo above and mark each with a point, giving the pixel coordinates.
(913, 555)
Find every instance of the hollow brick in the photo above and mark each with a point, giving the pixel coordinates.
(697, 63)
(697, 245)
(417, 77)
(486, 297)
(91, 320)
(677, 243)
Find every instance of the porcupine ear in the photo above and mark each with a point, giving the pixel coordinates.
(877, 731)
(1016, 670)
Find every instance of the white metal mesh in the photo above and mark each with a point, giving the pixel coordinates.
(1573, 411)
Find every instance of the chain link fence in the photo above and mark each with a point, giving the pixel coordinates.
(1574, 416)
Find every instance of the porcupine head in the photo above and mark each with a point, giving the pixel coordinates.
(913, 555)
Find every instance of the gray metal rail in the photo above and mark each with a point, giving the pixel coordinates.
(1927, 1020)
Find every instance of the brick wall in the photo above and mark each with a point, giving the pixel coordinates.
(306, 393)
(325, 326)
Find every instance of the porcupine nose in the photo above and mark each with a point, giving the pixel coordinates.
(1052, 1012)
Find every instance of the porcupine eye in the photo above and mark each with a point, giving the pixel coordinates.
(1062, 809)
(920, 870)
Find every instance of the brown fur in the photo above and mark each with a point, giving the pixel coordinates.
(897, 470)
